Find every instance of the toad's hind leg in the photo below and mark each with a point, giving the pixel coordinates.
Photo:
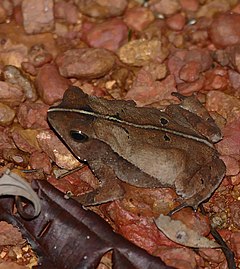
(204, 183)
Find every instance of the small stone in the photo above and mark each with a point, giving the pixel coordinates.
(85, 62)
(234, 78)
(6, 141)
(166, 7)
(16, 77)
(230, 145)
(38, 55)
(13, 54)
(25, 139)
(221, 57)
(7, 115)
(182, 258)
(66, 11)
(56, 150)
(233, 54)
(224, 30)
(120, 76)
(235, 213)
(29, 68)
(37, 16)
(11, 95)
(102, 9)
(226, 105)
(212, 255)
(40, 160)
(156, 30)
(158, 71)
(189, 5)
(176, 22)
(235, 243)
(16, 156)
(190, 71)
(216, 79)
(140, 52)
(191, 87)
(145, 90)
(110, 34)
(50, 84)
(232, 165)
(210, 8)
(33, 115)
(200, 58)
(138, 18)
(17, 15)
(235, 180)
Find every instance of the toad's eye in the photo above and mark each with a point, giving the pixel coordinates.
(78, 136)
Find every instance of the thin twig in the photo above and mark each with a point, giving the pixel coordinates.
(226, 250)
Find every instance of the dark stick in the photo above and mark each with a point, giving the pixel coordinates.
(226, 250)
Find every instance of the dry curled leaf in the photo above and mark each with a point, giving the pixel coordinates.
(65, 235)
(12, 184)
(181, 234)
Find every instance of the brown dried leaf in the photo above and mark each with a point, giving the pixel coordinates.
(181, 234)
(67, 236)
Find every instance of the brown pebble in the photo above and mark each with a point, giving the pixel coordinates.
(224, 30)
(110, 34)
(212, 255)
(235, 213)
(7, 115)
(25, 139)
(38, 55)
(37, 16)
(145, 90)
(235, 243)
(102, 9)
(176, 22)
(40, 161)
(138, 18)
(16, 156)
(10, 94)
(234, 78)
(189, 5)
(66, 11)
(233, 54)
(166, 7)
(140, 52)
(15, 76)
(190, 71)
(56, 150)
(182, 258)
(33, 115)
(50, 84)
(29, 68)
(191, 87)
(232, 165)
(85, 63)
(6, 141)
